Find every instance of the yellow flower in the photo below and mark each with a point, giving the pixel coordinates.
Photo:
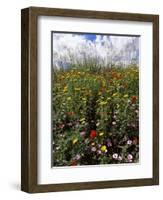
(125, 96)
(74, 141)
(118, 105)
(83, 119)
(103, 83)
(103, 148)
(65, 89)
(108, 98)
(83, 122)
(84, 99)
(101, 134)
(103, 103)
(115, 94)
(77, 89)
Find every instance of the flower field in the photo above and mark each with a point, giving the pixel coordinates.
(95, 115)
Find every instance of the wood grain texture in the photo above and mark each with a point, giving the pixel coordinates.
(91, 14)
(29, 99)
(24, 100)
(156, 100)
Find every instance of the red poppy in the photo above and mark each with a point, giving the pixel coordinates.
(93, 134)
(135, 141)
(133, 99)
(73, 163)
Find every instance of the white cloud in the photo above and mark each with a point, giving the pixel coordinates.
(105, 50)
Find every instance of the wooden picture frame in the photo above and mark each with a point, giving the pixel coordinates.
(29, 112)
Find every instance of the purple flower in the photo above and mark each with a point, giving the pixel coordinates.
(109, 144)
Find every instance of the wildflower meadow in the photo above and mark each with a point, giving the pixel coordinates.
(95, 104)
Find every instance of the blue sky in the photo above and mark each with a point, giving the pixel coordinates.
(91, 37)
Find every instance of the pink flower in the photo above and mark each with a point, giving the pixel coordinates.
(61, 126)
(129, 157)
(82, 133)
(77, 157)
(99, 152)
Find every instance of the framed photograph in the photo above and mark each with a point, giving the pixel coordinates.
(90, 99)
